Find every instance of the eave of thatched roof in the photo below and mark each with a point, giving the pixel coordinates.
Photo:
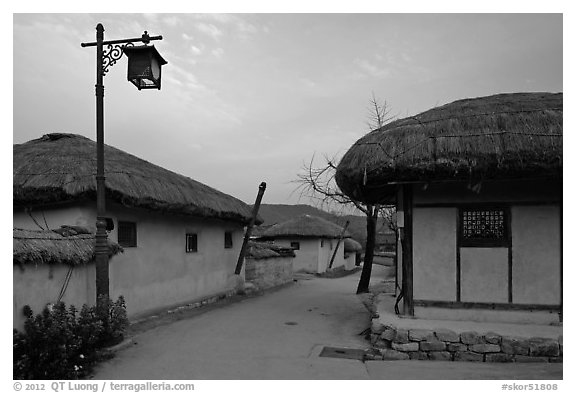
(68, 247)
(351, 245)
(304, 226)
(62, 167)
(505, 136)
(262, 250)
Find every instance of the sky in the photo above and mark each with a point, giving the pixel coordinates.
(248, 98)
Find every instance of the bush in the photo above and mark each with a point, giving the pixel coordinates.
(59, 344)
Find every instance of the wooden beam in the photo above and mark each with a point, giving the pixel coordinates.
(338, 244)
(488, 306)
(255, 209)
(407, 253)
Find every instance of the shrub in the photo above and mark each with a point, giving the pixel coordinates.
(59, 344)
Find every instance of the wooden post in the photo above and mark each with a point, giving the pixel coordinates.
(338, 244)
(407, 266)
(255, 209)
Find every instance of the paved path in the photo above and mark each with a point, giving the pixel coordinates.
(275, 336)
(279, 336)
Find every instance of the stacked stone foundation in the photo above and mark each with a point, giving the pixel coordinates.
(391, 343)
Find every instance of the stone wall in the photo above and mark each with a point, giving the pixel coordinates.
(391, 343)
(269, 272)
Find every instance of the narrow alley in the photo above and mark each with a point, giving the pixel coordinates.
(280, 335)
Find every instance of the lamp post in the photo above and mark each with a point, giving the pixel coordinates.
(144, 71)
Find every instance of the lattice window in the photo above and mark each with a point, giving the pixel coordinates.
(484, 226)
(127, 236)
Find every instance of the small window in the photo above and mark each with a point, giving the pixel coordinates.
(321, 242)
(191, 242)
(484, 226)
(295, 245)
(228, 240)
(127, 234)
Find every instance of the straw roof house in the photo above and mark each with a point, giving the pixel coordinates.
(351, 246)
(314, 239)
(304, 226)
(504, 136)
(61, 167)
(71, 246)
(181, 238)
(477, 185)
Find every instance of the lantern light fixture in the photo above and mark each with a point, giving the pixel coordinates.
(144, 66)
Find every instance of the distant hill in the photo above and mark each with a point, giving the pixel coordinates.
(272, 214)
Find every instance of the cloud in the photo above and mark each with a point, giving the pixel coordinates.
(214, 25)
(196, 50)
(171, 20)
(187, 37)
(372, 69)
(218, 52)
(150, 17)
(210, 30)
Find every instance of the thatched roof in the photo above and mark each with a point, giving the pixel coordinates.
(505, 136)
(62, 167)
(304, 226)
(351, 245)
(67, 246)
(262, 250)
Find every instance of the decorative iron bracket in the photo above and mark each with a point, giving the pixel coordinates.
(112, 55)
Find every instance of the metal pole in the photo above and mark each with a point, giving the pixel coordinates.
(255, 209)
(101, 249)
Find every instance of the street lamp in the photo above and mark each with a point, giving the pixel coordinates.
(144, 70)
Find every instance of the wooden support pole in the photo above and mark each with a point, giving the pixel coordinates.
(338, 244)
(407, 260)
(255, 209)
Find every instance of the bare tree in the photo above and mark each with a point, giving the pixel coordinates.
(319, 183)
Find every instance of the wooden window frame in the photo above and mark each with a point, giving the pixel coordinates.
(127, 239)
(191, 248)
(228, 239)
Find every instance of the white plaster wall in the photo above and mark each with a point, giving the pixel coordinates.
(434, 253)
(159, 273)
(325, 254)
(350, 261)
(38, 285)
(156, 274)
(536, 254)
(484, 274)
(307, 257)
